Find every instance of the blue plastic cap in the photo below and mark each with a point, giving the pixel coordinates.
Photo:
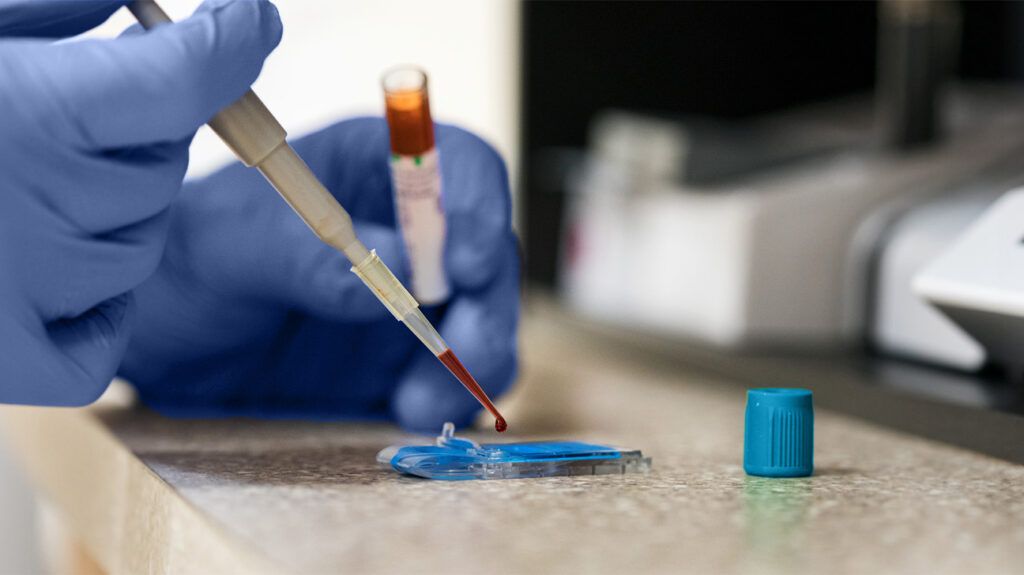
(779, 436)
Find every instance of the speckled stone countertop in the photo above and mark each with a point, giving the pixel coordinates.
(308, 497)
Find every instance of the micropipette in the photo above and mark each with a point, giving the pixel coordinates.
(258, 139)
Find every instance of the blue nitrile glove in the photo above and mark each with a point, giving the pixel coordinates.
(250, 314)
(93, 147)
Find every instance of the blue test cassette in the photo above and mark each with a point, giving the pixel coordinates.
(456, 458)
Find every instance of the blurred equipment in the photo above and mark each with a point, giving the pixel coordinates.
(752, 188)
(801, 229)
(917, 47)
(722, 60)
(764, 232)
(901, 322)
(978, 281)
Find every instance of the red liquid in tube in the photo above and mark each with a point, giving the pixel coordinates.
(408, 114)
(459, 371)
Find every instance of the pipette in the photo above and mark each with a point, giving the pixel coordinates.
(258, 139)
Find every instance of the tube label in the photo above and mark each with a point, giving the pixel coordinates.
(419, 204)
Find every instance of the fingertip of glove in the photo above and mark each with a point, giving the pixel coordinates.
(419, 408)
(349, 136)
(270, 18)
(132, 31)
(254, 16)
(475, 260)
(430, 396)
(371, 124)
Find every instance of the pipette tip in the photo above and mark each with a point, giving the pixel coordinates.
(462, 374)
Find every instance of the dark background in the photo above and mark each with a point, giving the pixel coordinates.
(723, 59)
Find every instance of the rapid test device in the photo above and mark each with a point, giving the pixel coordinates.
(454, 458)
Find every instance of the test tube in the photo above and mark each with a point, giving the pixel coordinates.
(416, 180)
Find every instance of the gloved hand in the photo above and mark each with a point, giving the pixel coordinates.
(93, 147)
(250, 314)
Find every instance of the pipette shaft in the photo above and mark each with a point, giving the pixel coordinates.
(258, 139)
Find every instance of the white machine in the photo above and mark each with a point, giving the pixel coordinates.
(978, 281)
(901, 322)
(779, 256)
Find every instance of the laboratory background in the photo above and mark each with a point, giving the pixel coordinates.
(771, 279)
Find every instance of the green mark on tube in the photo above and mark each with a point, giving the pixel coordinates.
(417, 159)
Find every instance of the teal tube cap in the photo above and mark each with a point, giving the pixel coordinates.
(778, 440)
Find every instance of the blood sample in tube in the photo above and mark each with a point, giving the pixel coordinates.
(416, 181)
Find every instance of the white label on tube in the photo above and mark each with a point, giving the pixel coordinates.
(420, 209)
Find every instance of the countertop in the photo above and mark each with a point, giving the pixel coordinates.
(146, 493)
